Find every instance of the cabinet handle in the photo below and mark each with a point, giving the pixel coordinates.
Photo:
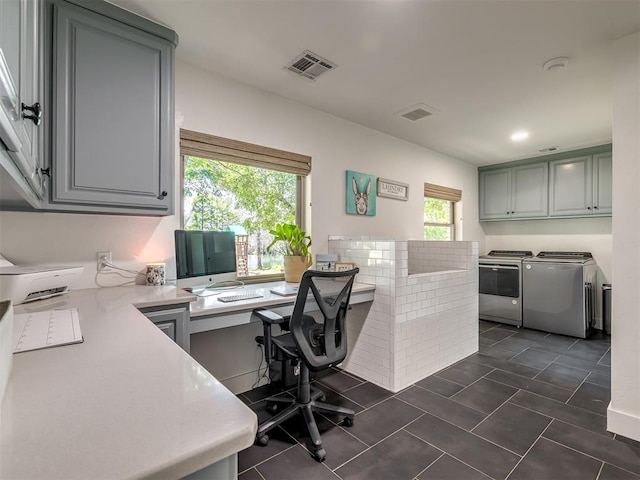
(595, 208)
(36, 110)
(162, 195)
(588, 208)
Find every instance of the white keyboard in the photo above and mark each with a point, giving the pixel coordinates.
(236, 298)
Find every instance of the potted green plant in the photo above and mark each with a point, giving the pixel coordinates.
(297, 256)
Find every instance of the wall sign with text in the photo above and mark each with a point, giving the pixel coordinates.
(393, 189)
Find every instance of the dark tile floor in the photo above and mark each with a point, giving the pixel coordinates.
(528, 405)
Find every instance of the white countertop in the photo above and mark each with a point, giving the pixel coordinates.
(125, 403)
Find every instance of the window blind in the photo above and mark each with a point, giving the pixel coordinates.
(443, 193)
(203, 145)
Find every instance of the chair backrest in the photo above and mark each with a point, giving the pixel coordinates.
(325, 344)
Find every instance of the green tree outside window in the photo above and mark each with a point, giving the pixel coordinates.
(222, 195)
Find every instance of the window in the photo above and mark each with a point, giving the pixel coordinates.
(244, 188)
(439, 207)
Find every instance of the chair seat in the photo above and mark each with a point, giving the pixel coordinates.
(287, 344)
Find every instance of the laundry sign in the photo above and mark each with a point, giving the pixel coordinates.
(393, 189)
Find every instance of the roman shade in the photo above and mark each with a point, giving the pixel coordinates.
(443, 193)
(203, 145)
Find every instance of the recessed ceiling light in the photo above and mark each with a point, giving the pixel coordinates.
(517, 136)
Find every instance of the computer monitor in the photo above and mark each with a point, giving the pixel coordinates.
(204, 258)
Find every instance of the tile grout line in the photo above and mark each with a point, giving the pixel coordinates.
(576, 391)
(600, 471)
(494, 411)
(450, 455)
(588, 454)
(551, 363)
(528, 450)
(369, 447)
(457, 426)
(428, 466)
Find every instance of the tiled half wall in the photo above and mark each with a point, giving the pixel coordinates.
(424, 316)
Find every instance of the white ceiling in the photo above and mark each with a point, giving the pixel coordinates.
(478, 62)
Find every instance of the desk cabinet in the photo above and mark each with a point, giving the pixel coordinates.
(514, 192)
(173, 320)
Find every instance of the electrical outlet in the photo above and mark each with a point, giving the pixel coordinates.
(102, 258)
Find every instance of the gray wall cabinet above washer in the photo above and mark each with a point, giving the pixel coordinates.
(569, 184)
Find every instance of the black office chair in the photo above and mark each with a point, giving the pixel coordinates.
(315, 346)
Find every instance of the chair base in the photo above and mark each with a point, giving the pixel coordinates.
(295, 406)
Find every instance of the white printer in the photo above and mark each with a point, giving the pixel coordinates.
(25, 284)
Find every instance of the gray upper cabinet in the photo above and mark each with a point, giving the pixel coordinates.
(581, 186)
(602, 183)
(495, 194)
(514, 192)
(569, 184)
(112, 100)
(20, 109)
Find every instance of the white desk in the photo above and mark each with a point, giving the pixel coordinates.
(208, 313)
(125, 403)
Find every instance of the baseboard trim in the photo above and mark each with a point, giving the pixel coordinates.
(623, 423)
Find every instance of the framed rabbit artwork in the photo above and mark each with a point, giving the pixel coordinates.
(360, 194)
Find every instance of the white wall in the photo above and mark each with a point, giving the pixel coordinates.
(223, 107)
(623, 416)
(229, 109)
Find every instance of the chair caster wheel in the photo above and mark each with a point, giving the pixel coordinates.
(262, 440)
(348, 422)
(272, 407)
(319, 454)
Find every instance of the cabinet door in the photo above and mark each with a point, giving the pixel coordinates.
(602, 183)
(495, 194)
(113, 141)
(169, 329)
(529, 190)
(19, 83)
(172, 320)
(570, 182)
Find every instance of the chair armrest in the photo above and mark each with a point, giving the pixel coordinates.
(270, 317)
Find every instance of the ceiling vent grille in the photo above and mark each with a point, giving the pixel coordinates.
(417, 112)
(548, 149)
(310, 65)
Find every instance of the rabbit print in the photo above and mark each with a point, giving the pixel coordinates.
(360, 194)
(362, 198)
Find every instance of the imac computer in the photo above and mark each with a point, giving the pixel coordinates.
(205, 259)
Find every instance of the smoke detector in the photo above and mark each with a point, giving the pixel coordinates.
(309, 65)
(417, 112)
(556, 64)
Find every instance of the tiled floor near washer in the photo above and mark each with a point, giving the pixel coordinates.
(528, 405)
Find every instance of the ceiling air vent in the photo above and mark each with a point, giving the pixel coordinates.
(309, 65)
(548, 149)
(417, 112)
